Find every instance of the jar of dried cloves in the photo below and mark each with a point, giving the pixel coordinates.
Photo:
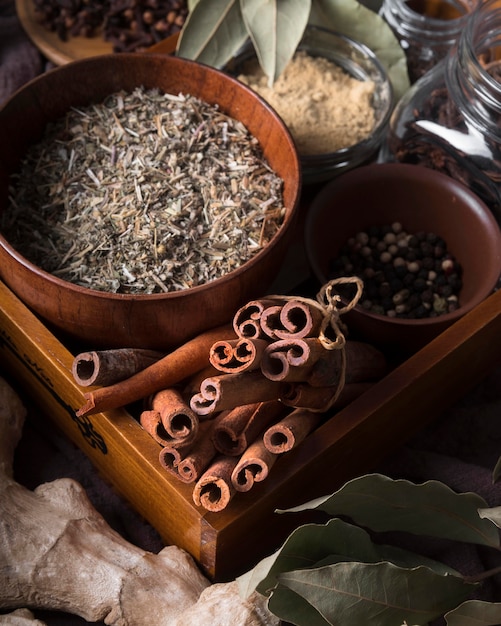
(450, 119)
(426, 29)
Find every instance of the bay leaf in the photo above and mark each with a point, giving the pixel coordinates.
(275, 28)
(350, 594)
(493, 514)
(362, 24)
(315, 545)
(431, 508)
(294, 609)
(475, 613)
(212, 33)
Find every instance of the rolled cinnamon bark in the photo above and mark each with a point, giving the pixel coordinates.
(152, 424)
(237, 428)
(237, 355)
(214, 489)
(290, 431)
(291, 359)
(294, 320)
(173, 368)
(178, 419)
(247, 320)
(106, 367)
(253, 466)
(188, 462)
(363, 362)
(303, 395)
(170, 457)
(227, 391)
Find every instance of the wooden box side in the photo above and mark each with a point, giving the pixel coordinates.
(115, 442)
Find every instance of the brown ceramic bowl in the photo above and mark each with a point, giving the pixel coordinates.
(422, 200)
(158, 321)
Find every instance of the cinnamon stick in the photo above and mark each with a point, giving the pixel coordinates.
(178, 419)
(304, 395)
(290, 431)
(106, 367)
(173, 368)
(214, 488)
(291, 359)
(227, 391)
(188, 462)
(237, 355)
(253, 466)
(152, 424)
(294, 320)
(247, 320)
(237, 428)
(363, 362)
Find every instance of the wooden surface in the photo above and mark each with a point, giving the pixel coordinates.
(352, 442)
(49, 43)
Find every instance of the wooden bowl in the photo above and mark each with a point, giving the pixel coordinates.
(158, 321)
(422, 200)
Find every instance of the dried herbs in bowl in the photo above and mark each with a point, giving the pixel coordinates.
(145, 200)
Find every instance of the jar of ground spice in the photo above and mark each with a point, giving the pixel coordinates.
(450, 119)
(426, 29)
(335, 98)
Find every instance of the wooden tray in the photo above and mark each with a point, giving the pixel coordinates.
(351, 443)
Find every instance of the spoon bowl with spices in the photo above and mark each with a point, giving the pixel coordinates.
(144, 198)
(425, 247)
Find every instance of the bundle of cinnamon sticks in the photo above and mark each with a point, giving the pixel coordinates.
(224, 406)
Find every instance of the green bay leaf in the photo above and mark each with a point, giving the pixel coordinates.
(431, 508)
(213, 32)
(275, 28)
(493, 514)
(475, 613)
(315, 545)
(293, 608)
(350, 594)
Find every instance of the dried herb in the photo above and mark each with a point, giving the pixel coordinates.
(143, 193)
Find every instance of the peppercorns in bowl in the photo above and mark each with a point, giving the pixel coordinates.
(425, 247)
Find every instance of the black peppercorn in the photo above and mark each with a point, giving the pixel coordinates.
(405, 275)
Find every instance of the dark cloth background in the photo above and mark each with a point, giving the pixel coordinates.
(20, 60)
(460, 448)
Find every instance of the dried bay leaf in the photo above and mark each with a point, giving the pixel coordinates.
(293, 608)
(475, 613)
(493, 514)
(213, 32)
(315, 545)
(432, 509)
(275, 29)
(350, 594)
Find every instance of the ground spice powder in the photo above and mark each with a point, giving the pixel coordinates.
(325, 108)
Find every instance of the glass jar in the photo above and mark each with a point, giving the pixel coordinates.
(450, 119)
(426, 29)
(360, 62)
